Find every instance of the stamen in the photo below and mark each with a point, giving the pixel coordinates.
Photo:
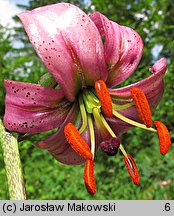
(83, 115)
(142, 105)
(92, 134)
(134, 123)
(164, 137)
(104, 97)
(76, 141)
(119, 107)
(89, 177)
(132, 169)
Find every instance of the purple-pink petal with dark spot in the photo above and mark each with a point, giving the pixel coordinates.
(69, 45)
(58, 146)
(131, 53)
(152, 86)
(31, 108)
(111, 32)
(123, 48)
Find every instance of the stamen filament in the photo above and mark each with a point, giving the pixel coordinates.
(142, 105)
(99, 123)
(92, 134)
(164, 137)
(134, 123)
(83, 115)
(122, 106)
(89, 178)
(77, 142)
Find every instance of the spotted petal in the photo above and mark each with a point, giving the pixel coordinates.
(58, 146)
(123, 48)
(69, 45)
(31, 108)
(153, 87)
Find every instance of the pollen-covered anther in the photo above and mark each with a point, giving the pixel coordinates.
(142, 105)
(132, 169)
(104, 97)
(88, 176)
(77, 142)
(164, 137)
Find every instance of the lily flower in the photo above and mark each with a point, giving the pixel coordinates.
(88, 109)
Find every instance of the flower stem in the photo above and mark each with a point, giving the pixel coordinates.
(12, 165)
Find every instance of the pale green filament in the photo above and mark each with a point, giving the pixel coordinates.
(92, 134)
(83, 115)
(123, 106)
(134, 123)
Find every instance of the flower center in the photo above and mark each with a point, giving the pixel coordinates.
(96, 104)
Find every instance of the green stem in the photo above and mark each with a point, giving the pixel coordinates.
(12, 165)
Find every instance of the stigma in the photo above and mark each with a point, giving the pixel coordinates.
(96, 105)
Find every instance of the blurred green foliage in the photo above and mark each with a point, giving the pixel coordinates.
(48, 179)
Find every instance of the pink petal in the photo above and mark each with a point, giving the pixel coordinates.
(131, 53)
(68, 43)
(57, 145)
(153, 87)
(31, 108)
(123, 48)
(113, 40)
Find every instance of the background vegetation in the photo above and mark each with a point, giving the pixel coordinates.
(48, 179)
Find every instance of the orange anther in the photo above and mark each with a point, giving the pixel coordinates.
(164, 137)
(132, 169)
(104, 97)
(89, 177)
(142, 105)
(76, 141)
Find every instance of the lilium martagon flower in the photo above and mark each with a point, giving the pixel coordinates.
(87, 108)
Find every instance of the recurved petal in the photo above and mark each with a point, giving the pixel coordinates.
(131, 53)
(153, 87)
(111, 31)
(31, 108)
(69, 45)
(58, 146)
